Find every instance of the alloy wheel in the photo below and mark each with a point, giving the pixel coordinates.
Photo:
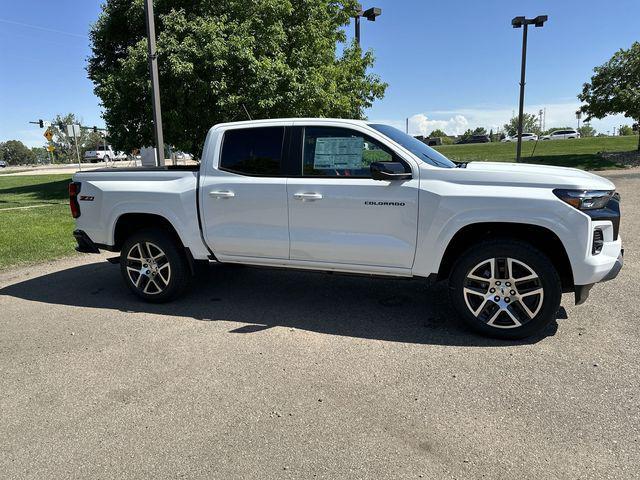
(148, 268)
(503, 292)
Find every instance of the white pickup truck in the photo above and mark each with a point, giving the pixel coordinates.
(358, 197)
(103, 154)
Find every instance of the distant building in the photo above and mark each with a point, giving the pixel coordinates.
(431, 141)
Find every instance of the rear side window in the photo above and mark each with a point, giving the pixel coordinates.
(253, 151)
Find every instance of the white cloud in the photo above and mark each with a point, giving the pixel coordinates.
(420, 124)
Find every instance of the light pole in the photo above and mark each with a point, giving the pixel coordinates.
(155, 82)
(519, 22)
(578, 117)
(370, 14)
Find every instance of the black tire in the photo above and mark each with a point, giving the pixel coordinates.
(507, 308)
(161, 279)
(106, 159)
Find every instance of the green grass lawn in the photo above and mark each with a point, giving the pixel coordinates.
(580, 153)
(35, 234)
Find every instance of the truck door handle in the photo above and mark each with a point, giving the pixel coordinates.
(307, 197)
(221, 194)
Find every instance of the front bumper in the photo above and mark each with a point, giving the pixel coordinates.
(582, 291)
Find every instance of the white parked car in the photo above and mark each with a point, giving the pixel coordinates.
(358, 197)
(526, 137)
(562, 135)
(103, 154)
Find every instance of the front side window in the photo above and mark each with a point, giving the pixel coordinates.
(341, 152)
(253, 151)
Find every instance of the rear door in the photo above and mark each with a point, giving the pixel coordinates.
(337, 213)
(244, 199)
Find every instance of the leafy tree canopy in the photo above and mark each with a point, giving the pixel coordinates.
(14, 152)
(587, 130)
(437, 133)
(625, 130)
(277, 58)
(530, 124)
(615, 87)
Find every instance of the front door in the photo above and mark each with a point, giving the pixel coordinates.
(338, 214)
(244, 201)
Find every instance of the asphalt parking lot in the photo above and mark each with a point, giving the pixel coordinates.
(280, 374)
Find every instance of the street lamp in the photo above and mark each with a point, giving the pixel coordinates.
(518, 22)
(370, 14)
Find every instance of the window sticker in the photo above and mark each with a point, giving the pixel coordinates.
(338, 153)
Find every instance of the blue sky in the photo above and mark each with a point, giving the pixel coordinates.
(451, 65)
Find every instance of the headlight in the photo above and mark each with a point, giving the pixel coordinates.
(584, 199)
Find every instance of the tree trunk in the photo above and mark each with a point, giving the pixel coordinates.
(638, 135)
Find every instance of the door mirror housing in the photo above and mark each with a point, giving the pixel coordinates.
(389, 171)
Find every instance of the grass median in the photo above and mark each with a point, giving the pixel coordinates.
(580, 153)
(35, 222)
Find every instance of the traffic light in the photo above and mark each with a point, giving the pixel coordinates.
(41, 123)
(95, 129)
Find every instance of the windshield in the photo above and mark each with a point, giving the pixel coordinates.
(415, 146)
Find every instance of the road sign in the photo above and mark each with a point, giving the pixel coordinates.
(50, 148)
(73, 130)
(48, 134)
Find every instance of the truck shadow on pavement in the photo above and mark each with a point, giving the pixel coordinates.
(371, 308)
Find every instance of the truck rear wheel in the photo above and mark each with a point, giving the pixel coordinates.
(505, 289)
(153, 266)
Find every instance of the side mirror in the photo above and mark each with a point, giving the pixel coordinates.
(389, 171)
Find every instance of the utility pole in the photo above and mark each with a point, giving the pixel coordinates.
(155, 81)
(522, 22)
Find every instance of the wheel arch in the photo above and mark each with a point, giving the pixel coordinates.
(538, 236)
(128, 224)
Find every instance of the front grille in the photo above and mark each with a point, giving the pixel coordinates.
(598, 241)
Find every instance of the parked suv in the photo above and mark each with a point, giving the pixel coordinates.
(526, 137)
(475, 139)
(562, 135)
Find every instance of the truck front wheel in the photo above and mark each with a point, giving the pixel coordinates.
(154, 267)
(505, 288)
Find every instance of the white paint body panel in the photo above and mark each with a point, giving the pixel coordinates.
(261, 221)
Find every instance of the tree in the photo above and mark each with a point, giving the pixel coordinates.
(65, 147)
(276, 58)
(14, 152)
(480, 131)
(40, 154)
(437, 133)
(615, 87)
(530, 124)
(587, 130)
(625, 130)
(467, 134)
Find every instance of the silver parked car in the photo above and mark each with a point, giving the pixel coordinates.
(562, 135)
(526, 137)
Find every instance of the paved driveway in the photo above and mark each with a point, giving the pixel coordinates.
(281, 374)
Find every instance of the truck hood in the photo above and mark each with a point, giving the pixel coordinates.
(525, 174)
